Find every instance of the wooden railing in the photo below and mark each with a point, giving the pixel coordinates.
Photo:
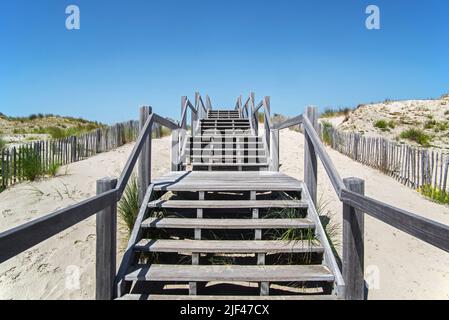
(355, 205)
(109, 192)
(103, 205)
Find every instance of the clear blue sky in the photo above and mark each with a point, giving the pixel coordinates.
(135, 52)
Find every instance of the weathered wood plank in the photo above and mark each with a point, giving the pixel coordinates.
(106, 244)
(144, 165)
(27, 235)
(422, 228)
(281, 273)
(310, 157)
(227, 204)
(353, 245)
(243, 224)
(228, 246)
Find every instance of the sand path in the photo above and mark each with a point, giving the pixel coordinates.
(399, 266)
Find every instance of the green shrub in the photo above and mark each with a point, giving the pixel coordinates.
(429, 124)
(417, 136)
(435, 194)
(384, 125)
(391, 124)
(330, 112)
(53, 169)
(31, 165)
(55, 132)
(327, 138)
(128, 207)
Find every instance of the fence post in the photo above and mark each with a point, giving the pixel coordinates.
(144, 168)
(175, 149)
(106, 244)
(183, 123)
(310, 159)
(353, 244)
(274, 150)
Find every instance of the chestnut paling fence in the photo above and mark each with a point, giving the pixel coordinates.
(411, 165)
(15, 161)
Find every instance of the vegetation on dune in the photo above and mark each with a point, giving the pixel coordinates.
(435, 194)
(55, 126)
(327, 138)
(128, 206)
(384, 125)
(417, 136)
(53, 169)
(31, 165)
(331, 112)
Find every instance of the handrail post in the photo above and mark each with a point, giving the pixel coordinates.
(274, 150)
(175, 150)
(266, 117)
(106, 246)
(183, 124)
(144, 168)
(353, 244)
(310, 159)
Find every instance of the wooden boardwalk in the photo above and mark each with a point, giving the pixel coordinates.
(224, 223)
(229, 219)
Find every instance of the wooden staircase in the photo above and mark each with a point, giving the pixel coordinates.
(220, 235)
(228, 229)
(225, 142)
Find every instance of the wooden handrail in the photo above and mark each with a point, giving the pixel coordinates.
(427, 230)
(336, 180)
(25, 236)
(288, 123)
(132, 159)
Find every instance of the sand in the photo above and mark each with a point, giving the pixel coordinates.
(429, 116)
(407, 268)
(63, 267)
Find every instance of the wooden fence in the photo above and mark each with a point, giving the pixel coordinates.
(47, 153)
(411, 165)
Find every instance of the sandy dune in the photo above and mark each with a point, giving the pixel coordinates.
(407, 268)
(50, 269)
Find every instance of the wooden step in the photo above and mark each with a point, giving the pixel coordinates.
(159, 297)
(228, 246)
(237, 224)
(227, 204)
(232, 143)
(226, 149)
(226, 164)
(203, 273)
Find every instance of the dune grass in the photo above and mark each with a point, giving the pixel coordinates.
(327, 138)
(333, 112)
(128, 206)
(417, 136)
(31, 165)
(435, 194)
